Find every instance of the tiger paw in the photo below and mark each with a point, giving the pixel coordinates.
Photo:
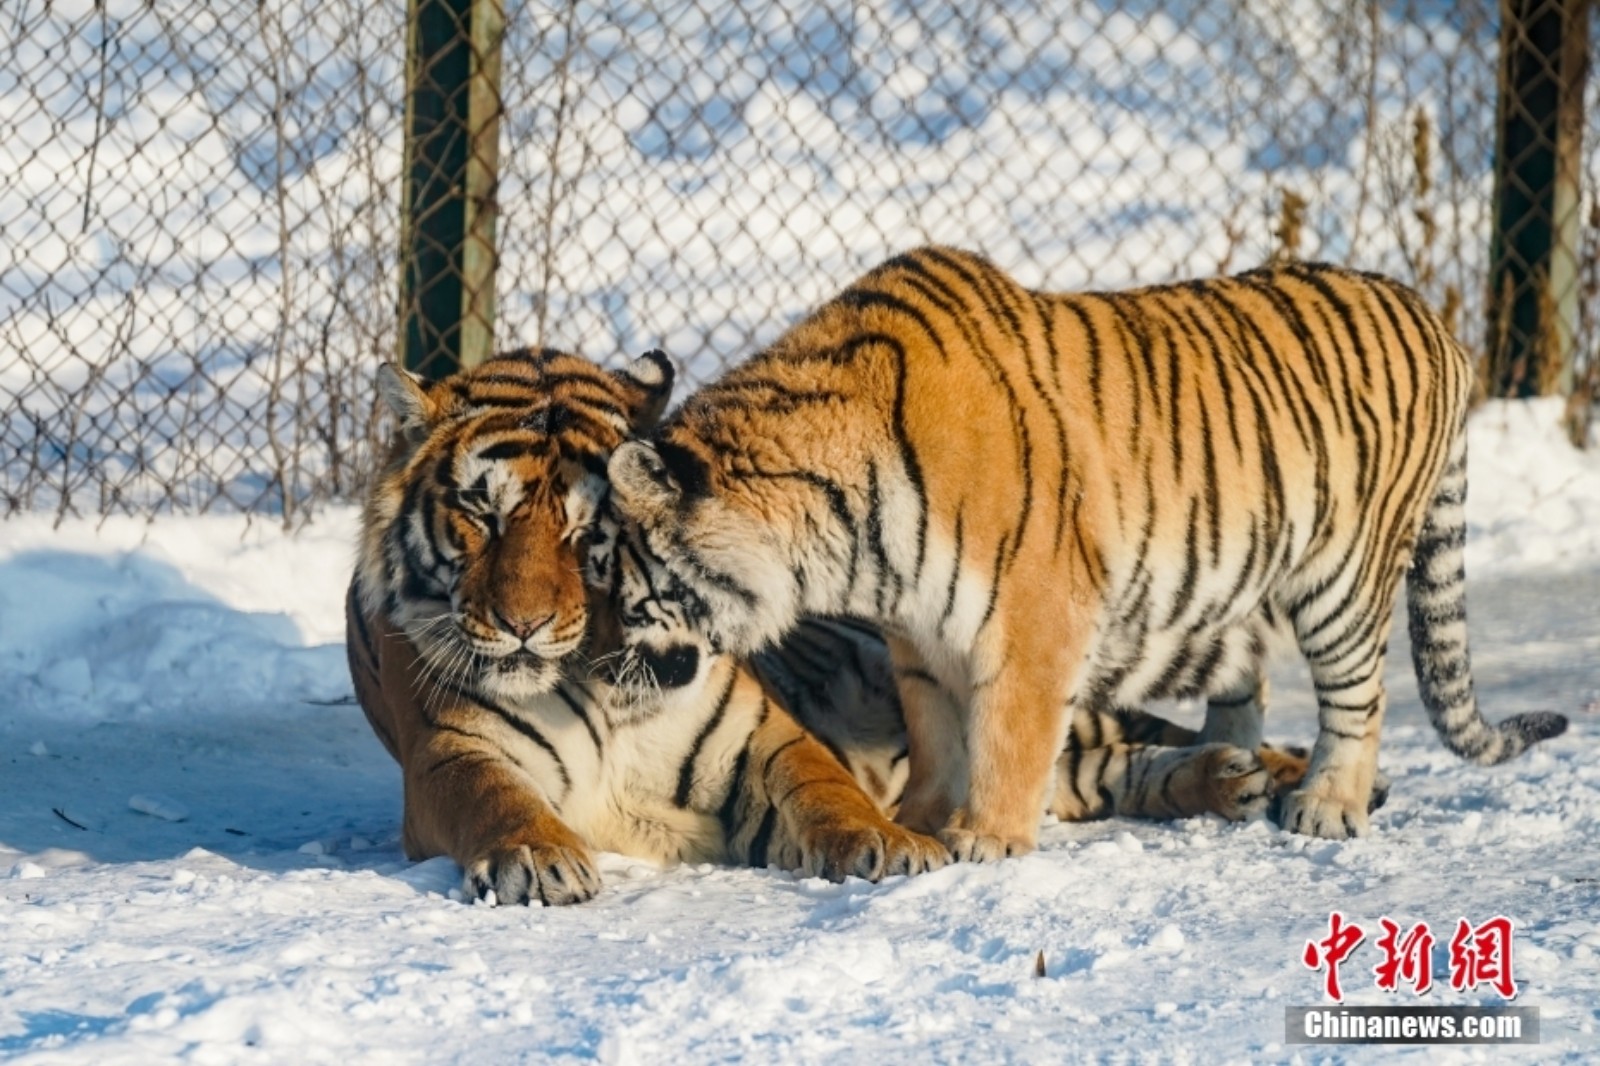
(1323, 816)
(1286, 764)
(924, 813)
(967, 845)
(1380, 791)
(1288, 767)
(1238, 783)
(868, 851)
(550, 874)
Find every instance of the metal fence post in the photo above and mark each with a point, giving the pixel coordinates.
(453, 109)
(1534, 289)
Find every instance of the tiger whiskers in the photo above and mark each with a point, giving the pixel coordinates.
(460, 670)
(440, 657)
(597, 662)
(428, 636)
(636, 686)
(428, 625)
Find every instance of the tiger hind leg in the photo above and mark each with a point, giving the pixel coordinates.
(1137, 781)
(1346, 649)
(1286, 763)
(1112, 757)
(1237, 717)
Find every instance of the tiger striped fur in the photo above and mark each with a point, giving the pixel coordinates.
(472, 639)
(836, 677)
(1058, 501)
(483, 670)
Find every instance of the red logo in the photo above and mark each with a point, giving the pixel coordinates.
(1342, 939)
(1479, 955)
(1408, 958)
(1482, 956)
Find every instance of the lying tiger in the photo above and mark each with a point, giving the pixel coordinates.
(483, 621)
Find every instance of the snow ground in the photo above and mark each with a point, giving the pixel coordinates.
(180, 663)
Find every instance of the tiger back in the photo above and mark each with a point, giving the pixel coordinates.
(1088, 500)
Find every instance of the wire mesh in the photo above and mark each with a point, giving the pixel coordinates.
(201, 202)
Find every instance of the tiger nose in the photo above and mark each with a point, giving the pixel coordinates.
(522, 628)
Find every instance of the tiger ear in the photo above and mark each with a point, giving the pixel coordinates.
(406, 395)
(650, 376)
(640, 483)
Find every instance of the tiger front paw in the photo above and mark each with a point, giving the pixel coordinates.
(552, 874)
(970, 842)
(868, 851)
(1323, 816)
(1288, 766)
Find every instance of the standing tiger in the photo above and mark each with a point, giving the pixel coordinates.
(1057, 501)
(836, 677)
(479, 656)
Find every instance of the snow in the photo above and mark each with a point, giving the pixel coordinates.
(195, 665)
(1544, 499)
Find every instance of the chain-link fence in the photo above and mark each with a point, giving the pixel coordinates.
(201, 202)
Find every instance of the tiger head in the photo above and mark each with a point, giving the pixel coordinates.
(481, 526)
(723, 553)
(660, 647)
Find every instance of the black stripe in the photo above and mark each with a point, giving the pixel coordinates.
(882, 570)
(994, 585)
(730, 801)
(686, 768)
(759, 843)
(860, 299)
(576, 707)
(1093, 336)
(522, 727)
(838, 506)
(1191, 565)
(448, 760)
(955, 574)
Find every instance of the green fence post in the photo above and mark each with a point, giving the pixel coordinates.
(1533, 275)
(451, 167)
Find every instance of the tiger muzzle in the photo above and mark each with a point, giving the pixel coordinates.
(673, 667)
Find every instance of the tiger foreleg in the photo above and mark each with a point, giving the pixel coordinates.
(1014, 735)
(464, 799)
(936, 742)
(1338, 790)
(823, 820)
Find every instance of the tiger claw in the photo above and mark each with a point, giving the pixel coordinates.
(1324, 817)
(969, 846)
(548, 874)
(869, 852)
